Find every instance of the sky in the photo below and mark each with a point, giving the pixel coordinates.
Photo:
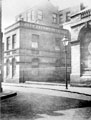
(11, 8)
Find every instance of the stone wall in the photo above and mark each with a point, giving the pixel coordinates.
(80, 55)
(50, 65)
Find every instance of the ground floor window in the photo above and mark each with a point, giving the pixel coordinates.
(13, 67)
(35, 66)
(7, 67)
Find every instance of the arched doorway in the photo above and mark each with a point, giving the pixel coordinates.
(85, 51)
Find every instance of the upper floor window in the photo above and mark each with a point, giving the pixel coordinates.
(60, 18)
(67, 16)
(82, 7)
(54, 16)
(20, 17)
(14, 41)
(28, 17)
(33, 15)
(40, 15)
(35, 40)
(8, 43)
(25, 17)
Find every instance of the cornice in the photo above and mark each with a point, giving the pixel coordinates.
(35, 26)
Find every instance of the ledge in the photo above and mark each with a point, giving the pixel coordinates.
(75, 41)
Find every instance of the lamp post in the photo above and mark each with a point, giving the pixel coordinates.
(65, 43)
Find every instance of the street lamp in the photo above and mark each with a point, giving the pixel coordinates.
(65, 43)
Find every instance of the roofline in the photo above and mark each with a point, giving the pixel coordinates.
(86, 9)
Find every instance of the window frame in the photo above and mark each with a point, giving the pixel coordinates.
(28, 17)
(68, 16)
(14, 41)
(54, 18)
(35, 63)
(7, 67)
(8, 43)
(61, 18)
(40, 15)
(57, 44)
(13, 67)
(35, 40)
(32, 15)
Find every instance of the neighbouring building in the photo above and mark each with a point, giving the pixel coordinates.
(77, 20)
(33, 48)
(81, 48)
(65, 15)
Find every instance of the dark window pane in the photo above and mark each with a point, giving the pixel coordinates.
(8, 43)
(13, 41)
(67, 16)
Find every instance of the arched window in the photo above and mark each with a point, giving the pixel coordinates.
(7, 67)
(13, 67)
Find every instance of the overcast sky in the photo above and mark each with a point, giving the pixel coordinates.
(11, 8)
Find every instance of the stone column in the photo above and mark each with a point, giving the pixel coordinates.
(75, 63)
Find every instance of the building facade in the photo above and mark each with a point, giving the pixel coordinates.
(33, 48)
(78, 21)
(81, 48)
(65, 15)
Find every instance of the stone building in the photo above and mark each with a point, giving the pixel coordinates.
(65, 15)
(81, 48)
(33, 49)
(77, 20)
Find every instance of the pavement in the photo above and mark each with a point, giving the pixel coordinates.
(26, 99)
(86, 91)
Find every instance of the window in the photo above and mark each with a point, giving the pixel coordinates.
(35, 62)
(60, 18)
(40, 15)
(25, 17)
(54, 18)
(33, 15)
(35, 40)
(7, 67)
(57, 43)
(8, 43)
(35, 44)
(14, 41)
(13, 67)
(82, 7)
(67, 16)
(28, 17)
(35, 66)
(20, 17)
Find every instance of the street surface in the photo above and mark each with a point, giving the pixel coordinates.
(40, 104)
